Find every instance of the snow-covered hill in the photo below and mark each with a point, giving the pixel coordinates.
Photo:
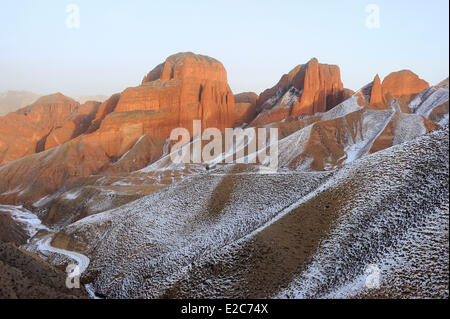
(237, 233)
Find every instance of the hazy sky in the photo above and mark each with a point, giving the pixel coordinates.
(119, 41)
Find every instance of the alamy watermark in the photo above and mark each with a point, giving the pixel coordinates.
(73, 276)
(373, 19)
(73, 17)
(236, 145)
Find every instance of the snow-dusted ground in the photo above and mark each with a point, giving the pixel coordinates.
(357, 140)
(235, 233)
(30, 222)
(426, 101)
(44, 244)
(161, 234)
(398, 220)
(358, 137)
(232, 232)
(348, 106)
(31, 225)
(416, 264)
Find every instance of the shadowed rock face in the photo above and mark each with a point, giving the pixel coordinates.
(78, 123)
(246, 97)
(245, 110)
(104, 109)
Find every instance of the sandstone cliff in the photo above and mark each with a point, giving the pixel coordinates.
(306, 90)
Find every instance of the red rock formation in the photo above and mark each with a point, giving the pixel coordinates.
(24, 132)
(129, 130)
(186, 87)
(285, 82)
(78, 124)
(50, 121)
(322, 88)
(60, 135)
(403, 84)
(154, 74)
(188, 65)
(104, 109)
(329, 144)
(400, 86)
(246, 97)
(376, 93)
(32, 177)
(306, 90)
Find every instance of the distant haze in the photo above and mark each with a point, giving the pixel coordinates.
(118, 42)
(12, 101)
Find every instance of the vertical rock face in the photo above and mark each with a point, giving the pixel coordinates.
(376, 94)
(306, 90)
(186, 87)
(78, 123)
(322, 88)
(104, 109)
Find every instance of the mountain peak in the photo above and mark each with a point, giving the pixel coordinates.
(403, 83)
(319, 88)
(187, 64)
(56, 98)
(376, 94)
(314, 60)
(190, 55)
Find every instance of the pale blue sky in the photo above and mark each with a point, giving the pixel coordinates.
(119, 41)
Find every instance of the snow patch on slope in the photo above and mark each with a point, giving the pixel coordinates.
(32, 224)
(397, 220)
(427, 100)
